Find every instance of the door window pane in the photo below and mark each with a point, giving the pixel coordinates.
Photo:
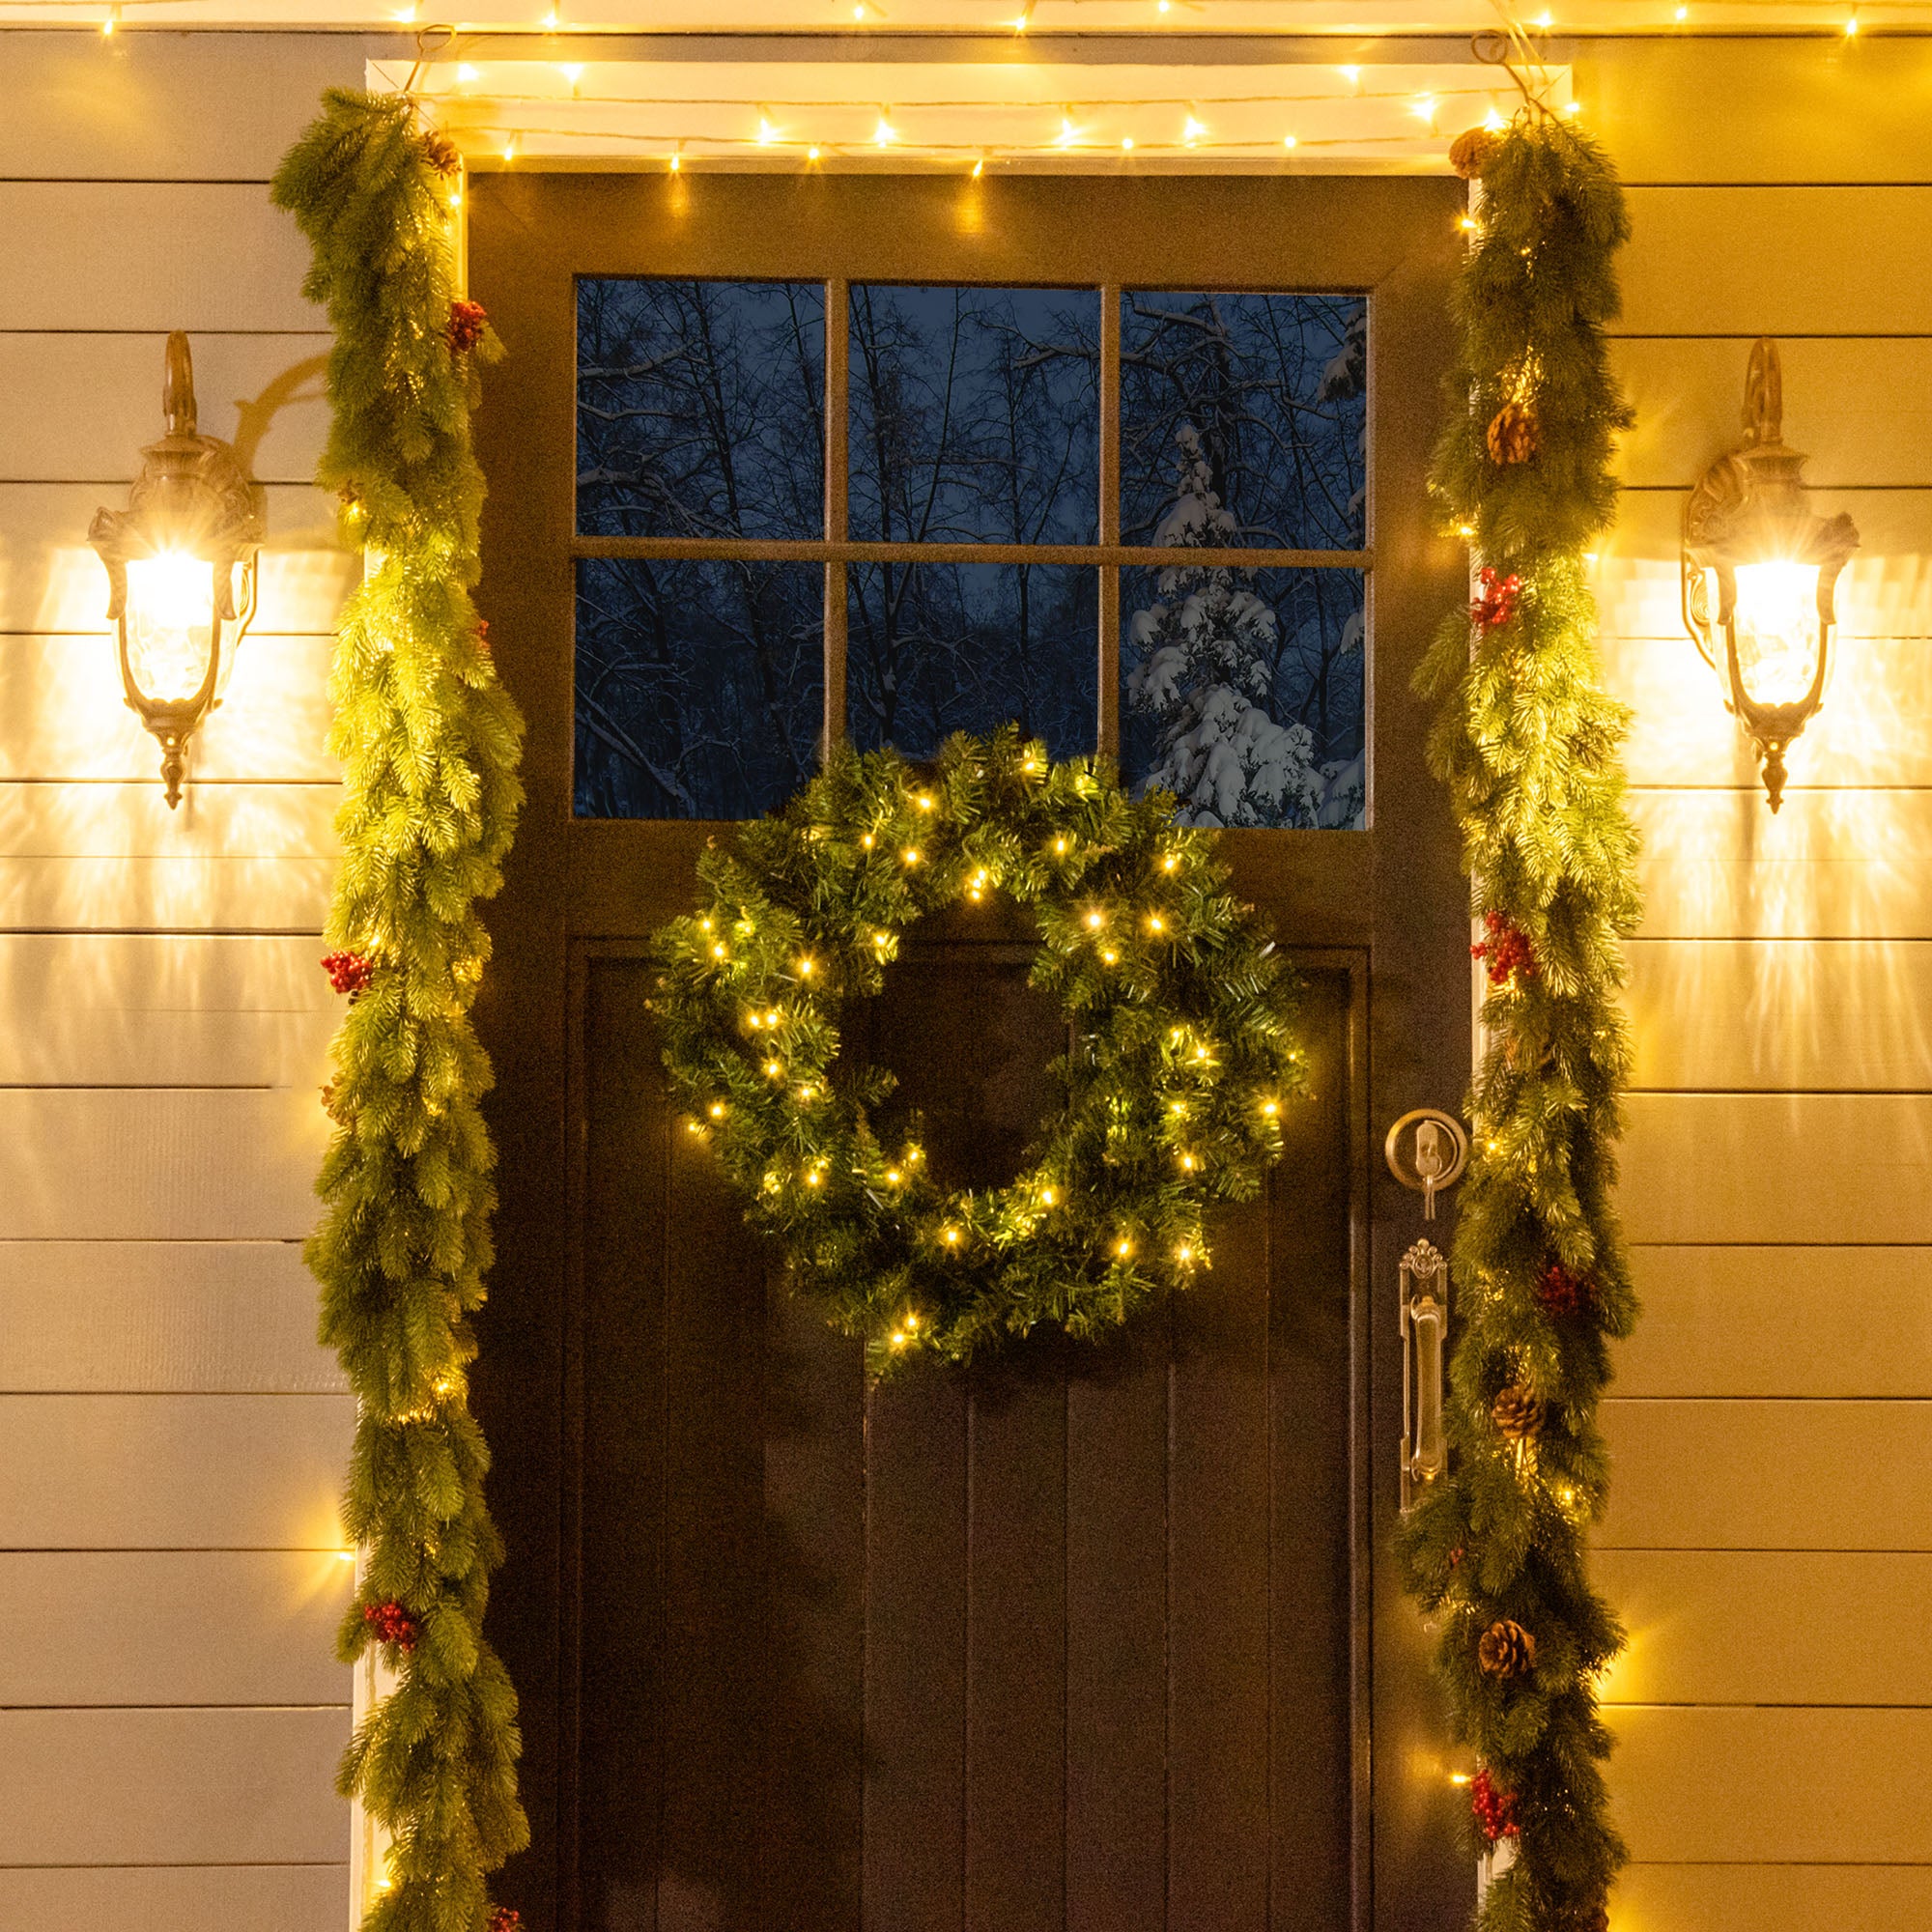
(1269, 392)
(974, 414)
(1242, 694)
(935, 648)
(700, 408)
(699, 686)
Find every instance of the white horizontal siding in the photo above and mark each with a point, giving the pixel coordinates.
(175, 1438)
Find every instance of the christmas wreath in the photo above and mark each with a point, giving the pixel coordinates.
(1181, 1061)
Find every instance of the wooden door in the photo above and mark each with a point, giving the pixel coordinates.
(1095, 1637)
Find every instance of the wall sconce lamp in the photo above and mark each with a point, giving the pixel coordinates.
(193, 523)
(1760, 574)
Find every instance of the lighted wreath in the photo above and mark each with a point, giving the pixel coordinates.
(1170, 1098)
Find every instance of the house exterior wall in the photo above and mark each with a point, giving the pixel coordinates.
(173, 1438)
(1768, 1537)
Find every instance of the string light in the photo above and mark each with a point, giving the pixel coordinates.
(1851, 23)
(1127, 148)
(767, 134)
(1191, 131)
(1423, 108)
(812, 154)
(677, 160)
(112, 21)
(1288, 141)
(884, 134)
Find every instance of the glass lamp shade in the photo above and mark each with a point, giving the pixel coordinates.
(192, 525)
(172, 632)
(1775, 629)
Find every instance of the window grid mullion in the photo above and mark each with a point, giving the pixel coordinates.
(1108, 602)
(837, 506)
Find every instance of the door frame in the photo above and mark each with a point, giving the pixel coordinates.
(1390, 901)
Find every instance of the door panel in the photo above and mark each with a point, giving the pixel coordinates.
(1090, 1636)
(1065, 1639)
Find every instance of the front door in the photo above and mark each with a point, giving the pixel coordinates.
(1104, 1637)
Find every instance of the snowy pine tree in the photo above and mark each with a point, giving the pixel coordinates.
(1205, 675)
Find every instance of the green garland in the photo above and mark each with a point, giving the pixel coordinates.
(428, 744)
(1172, 1094)
(1529, 747)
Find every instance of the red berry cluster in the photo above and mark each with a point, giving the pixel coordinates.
(506, 1918)
(483, 637)
(392, 1624)
(1495, 601)
(466, 326)
(349, 972)
(1561, 1293)
(1495, 1811)
(1506, 950)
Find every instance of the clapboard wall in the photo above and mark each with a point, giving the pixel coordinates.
(172, 1439)
(1769, 1540)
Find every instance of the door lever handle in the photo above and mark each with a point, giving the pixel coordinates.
(1438, 1151)
(1425, 1355)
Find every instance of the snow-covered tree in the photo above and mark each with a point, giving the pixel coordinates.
(1205, 673)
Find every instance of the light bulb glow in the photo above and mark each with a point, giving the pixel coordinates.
(1777, 626)
(767, 134)
(1191, 131)
(171, 623)
(885, 134)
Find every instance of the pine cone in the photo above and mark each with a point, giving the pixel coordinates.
(1472, 151)
(1513, 435)
(440, 150)
(1506, 1650)
(1518, 1414)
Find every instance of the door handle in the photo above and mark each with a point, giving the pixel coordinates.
(1425, 1355)
(1438, 1151)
